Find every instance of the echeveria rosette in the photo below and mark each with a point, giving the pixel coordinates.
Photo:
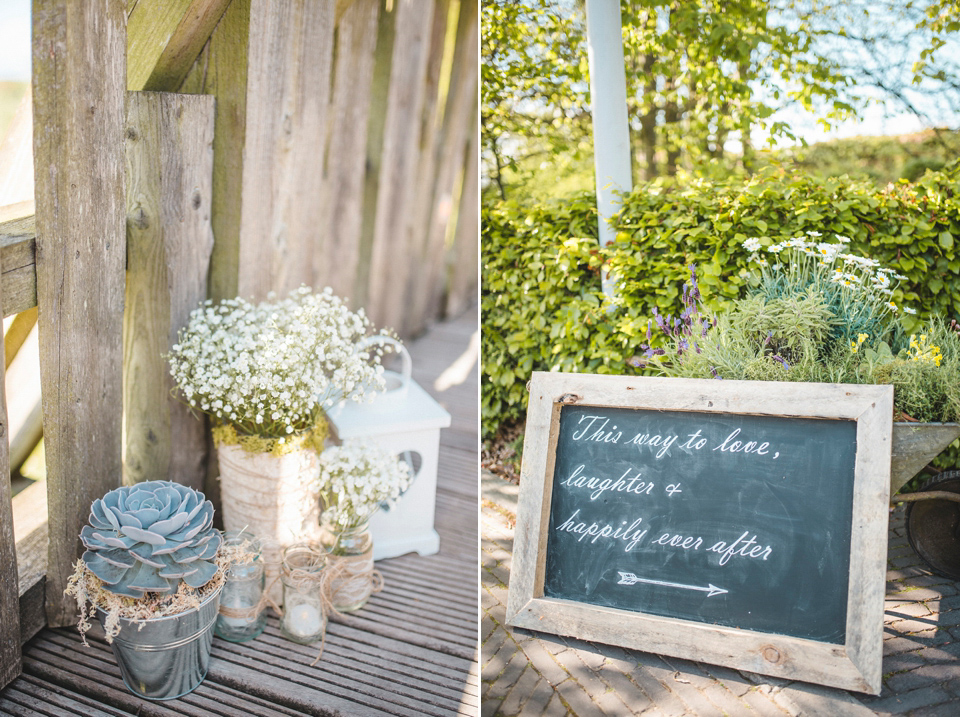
(149, 537)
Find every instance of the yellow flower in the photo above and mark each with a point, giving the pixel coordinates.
(920, 351)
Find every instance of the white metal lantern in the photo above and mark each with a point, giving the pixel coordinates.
(405, 420)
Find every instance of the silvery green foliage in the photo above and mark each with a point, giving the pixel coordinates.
(149, 537)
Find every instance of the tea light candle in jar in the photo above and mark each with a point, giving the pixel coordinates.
(303, 620)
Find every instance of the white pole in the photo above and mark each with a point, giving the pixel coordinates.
(608, 96)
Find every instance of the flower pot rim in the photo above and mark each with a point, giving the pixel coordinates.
(158, 618)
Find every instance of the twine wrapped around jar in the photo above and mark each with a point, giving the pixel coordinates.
(241, 614)
(350, 548)
(352, 579)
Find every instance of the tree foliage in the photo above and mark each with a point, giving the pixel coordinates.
(702, 73)
(532, 82)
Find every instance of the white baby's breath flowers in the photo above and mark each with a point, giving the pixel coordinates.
(270, 368)
(356, 478)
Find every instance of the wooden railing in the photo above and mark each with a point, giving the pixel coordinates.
(335, 145)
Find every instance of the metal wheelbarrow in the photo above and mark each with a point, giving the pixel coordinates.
(933, 513)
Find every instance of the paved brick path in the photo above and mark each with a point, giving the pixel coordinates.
(530, 673)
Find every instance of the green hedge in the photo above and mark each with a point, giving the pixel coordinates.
(543, 310)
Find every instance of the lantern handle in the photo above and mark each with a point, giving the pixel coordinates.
(406, 368)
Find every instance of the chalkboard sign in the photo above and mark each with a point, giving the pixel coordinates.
(741, 523)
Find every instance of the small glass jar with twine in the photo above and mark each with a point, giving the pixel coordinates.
(242, 615)
(304, 593)
(349, 545)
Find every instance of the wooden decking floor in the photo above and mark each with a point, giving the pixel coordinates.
(411, 651)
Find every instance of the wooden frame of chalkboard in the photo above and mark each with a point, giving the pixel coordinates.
(577, 587)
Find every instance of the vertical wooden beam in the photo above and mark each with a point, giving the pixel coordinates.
(78, 110)
(434, 105)
(164, 38)
(268, 64)
(345, 168)
(288, 96)
(221, 71)
(459, 122)
(169, 143)
(376, 131)
(463, 275)
(390, 259)
(9, 580)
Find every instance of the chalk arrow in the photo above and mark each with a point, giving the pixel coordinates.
(631, 579)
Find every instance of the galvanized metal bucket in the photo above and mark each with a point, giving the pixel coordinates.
(168, 657)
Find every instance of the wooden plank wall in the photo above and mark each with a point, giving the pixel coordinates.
(344, 178)
(340, 148)
(79, 80)
(169, 149)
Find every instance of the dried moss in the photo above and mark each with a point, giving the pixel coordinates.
(91, 594)
(313, 438)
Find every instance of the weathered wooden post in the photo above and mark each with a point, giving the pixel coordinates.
(9, 592)
(79, 81)
(169, 141)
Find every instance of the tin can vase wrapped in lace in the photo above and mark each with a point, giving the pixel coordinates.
(243, 614)
(304, 615)
(350, 547)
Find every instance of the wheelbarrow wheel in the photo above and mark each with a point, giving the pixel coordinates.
(933, 527)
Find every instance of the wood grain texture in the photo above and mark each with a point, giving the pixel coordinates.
(18, 249)
(390, 264)
(78, 110)
(420, 212)
(343, 188)
(33, 618)
(464, 270)
(288, 96)
(856, 665)
(915, 445)
(268, 64)
(376, 130)
(169, 144)
(9, 594)
(164, 38)
(30, 532)
(459, 126)
(221, 71)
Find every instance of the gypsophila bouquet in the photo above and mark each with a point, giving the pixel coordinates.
(357, 478)
(269, 369)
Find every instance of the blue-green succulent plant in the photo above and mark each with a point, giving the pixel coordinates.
(149, 537)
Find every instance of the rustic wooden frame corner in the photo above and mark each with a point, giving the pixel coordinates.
(854, 665)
